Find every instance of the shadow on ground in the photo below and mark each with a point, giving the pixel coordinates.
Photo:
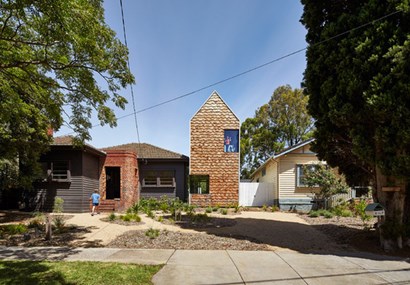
(305, 238)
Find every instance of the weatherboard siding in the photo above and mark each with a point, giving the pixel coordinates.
(287, 174)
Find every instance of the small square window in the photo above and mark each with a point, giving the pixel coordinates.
(199, 184)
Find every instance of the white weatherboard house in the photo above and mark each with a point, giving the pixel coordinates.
(285, 172)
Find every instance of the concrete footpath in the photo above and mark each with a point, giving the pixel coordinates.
(237, 267)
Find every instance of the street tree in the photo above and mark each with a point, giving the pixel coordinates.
(282, 122)
(59, 64)
(359, 86)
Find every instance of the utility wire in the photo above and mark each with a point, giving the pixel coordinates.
(131, 86)
(254, 68)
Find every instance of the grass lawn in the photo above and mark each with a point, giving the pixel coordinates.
(70, 273)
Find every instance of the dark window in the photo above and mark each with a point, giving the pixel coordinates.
(199, 184)
(56, 171)
(300, 175)
(231, 140)
(158, 178)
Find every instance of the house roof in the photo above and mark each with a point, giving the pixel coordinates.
(69, 141)
(283, 152)
(214, 93)
(148, 151)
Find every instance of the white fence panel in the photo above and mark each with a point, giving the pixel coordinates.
(256, 194)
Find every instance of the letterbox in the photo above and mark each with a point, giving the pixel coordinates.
(374, 209)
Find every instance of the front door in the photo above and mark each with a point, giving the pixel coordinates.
(113, 182)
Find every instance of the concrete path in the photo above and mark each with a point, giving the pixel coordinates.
(237, 267)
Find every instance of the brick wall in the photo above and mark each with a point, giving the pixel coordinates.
(127, 161)
(207, 156)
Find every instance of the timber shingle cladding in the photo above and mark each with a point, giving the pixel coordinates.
(207, 155)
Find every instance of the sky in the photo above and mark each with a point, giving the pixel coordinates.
(179, 46)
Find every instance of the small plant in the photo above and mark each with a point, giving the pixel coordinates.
(38, 221)
(314, 214)
(160, 219)
(275, 208)
(112, 217)
(328, 215)
(152, 233)
(13, 229)
(130, 217)
(237, 208)
(200, 218)
(208, 210)
(58, 218)
(264, 207)
(360, 211)
(224, 211)
(215, 209)
(346, 213)
(150, 214)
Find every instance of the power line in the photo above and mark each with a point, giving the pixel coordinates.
(129, 67)
(249, 70)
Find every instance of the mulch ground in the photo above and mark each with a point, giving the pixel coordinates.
(349, 232)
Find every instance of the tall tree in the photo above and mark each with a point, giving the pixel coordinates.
(283, 121)
(359, 86)
(51, 54)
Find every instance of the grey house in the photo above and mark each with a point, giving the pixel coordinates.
(69, 172)
(160, 171)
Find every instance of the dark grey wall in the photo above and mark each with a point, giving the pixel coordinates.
(180, 168)
(84, 169)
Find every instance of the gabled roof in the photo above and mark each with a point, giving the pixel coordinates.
(283, 152)
(292, 148)
(69, 141)
(214, 93)
(148, 151)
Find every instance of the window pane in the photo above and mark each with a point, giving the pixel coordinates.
(60, 170)
(199, 184)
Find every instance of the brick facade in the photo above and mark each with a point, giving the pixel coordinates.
(207, 155)
(127, 161)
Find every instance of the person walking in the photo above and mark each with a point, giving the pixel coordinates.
(95, 198)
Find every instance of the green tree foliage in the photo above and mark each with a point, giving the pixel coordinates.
(283, 121)
(52, 53)
(326, 178)
(359, 86)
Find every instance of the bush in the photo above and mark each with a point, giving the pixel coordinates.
(13, 229)
(224, 211)
(152, 233)
(264, 207)
(208, 210)
(360, 210)
(314, 214)
(112, 217)
(200, 218)
(130, 217)
(275, 208)
(328, 215)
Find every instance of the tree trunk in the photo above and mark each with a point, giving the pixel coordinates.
(392, 226)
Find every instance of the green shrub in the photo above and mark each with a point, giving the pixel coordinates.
(215, 209)
(314, 214)
(152, 233)
(13, 229)
(224, 211)
(360, 210)
(58, 205)
(328, 215)
(112, 217)
(160, 219)
(59, 222)
(208, 210)
(237, 208)
(275, 208)
(346, 213)
(264, 207)
(130, 217)
(200, 218)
